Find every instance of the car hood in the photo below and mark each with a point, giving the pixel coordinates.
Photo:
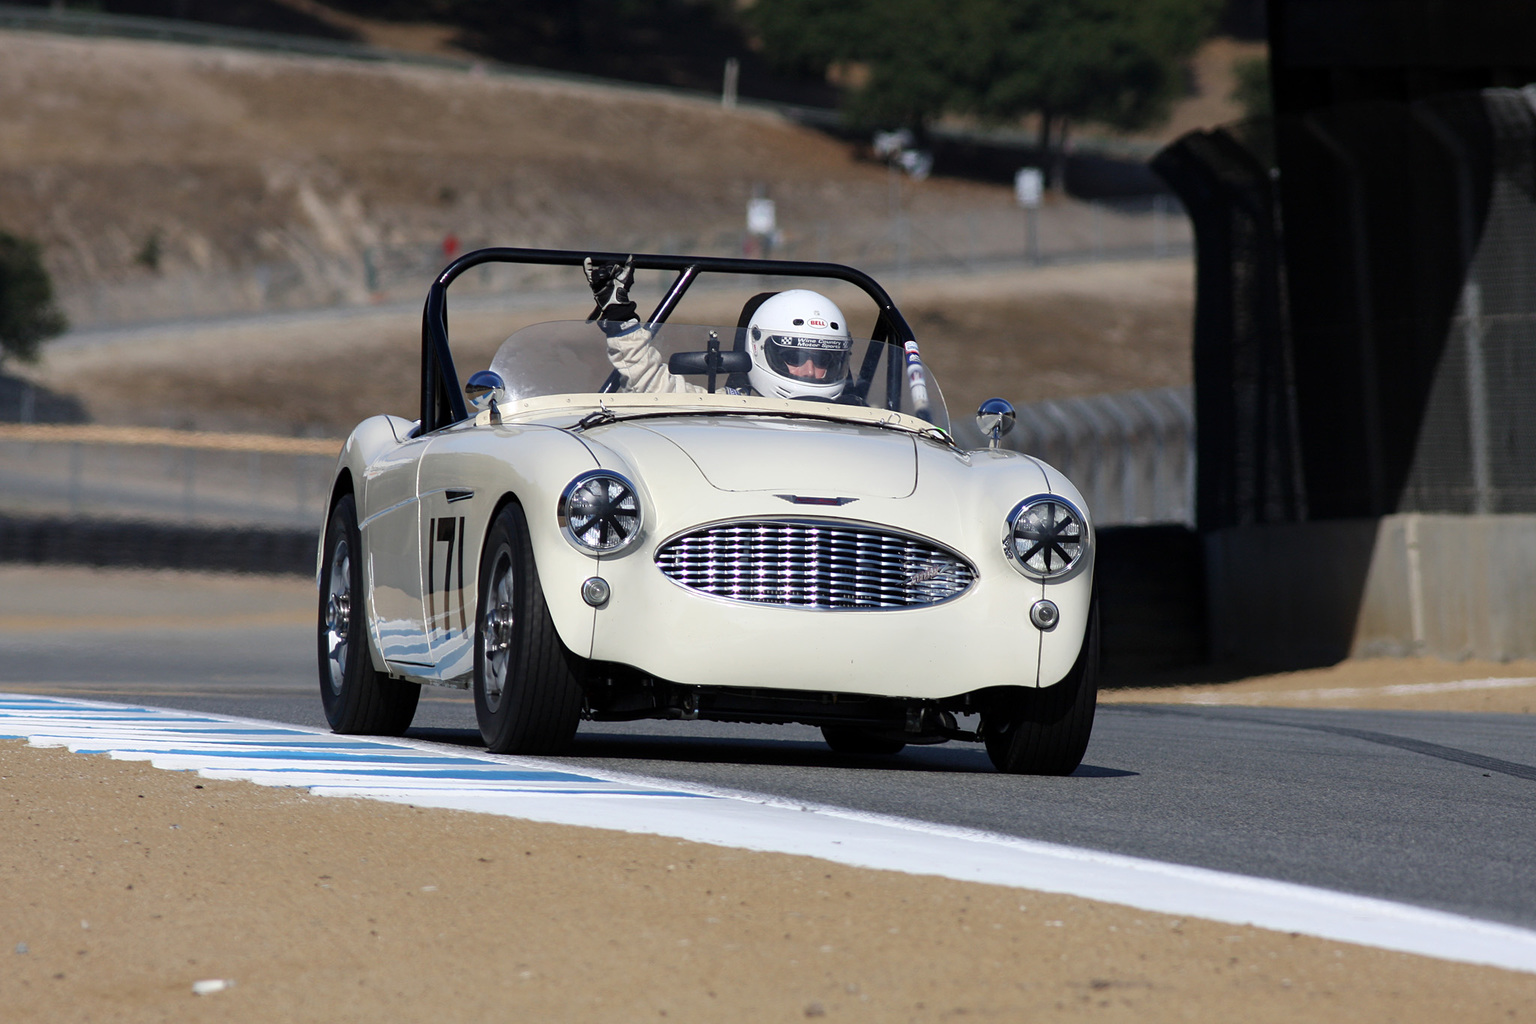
(813, 459)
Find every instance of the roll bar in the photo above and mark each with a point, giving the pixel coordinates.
(442, 403)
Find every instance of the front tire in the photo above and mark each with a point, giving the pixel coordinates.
(1045, 731)
(357, 697)
(528, 696)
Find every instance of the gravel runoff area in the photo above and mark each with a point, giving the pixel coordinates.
(128, 891)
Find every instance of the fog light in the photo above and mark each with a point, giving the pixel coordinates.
(595, 591)
(1044, 615)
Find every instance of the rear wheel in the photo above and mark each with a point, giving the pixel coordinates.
(1045, 731)
(850, 740)
(357, 698)
(528, 695)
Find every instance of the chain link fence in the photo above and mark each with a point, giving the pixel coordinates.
(1366, 320)
(1131, 454)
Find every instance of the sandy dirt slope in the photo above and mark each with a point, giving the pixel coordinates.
(171, 181)
(166, 180)
(1023, 334)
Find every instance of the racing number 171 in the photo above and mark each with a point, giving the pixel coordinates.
(446, 533)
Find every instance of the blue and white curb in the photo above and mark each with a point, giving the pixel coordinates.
(435, 775)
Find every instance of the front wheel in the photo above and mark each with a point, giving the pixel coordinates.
(1045, 731)
(528, 696)
(357, 698)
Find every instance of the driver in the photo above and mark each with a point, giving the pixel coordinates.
(798, 341)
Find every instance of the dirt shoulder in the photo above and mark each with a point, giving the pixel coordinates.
(124, 885)
(1397, 684)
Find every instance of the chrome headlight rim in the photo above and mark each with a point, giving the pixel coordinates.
(1074, 560)
(573, 532)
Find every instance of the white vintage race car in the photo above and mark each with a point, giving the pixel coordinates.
(575, 551)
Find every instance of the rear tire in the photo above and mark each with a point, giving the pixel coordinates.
(528, 694)
(1045, 731)
(357, 697)
(845, 739)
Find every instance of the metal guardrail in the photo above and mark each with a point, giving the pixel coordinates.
(139, 474)
(91, 433)
(1132, 454)
(176, 30)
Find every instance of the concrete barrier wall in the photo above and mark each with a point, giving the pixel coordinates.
(1301, 594)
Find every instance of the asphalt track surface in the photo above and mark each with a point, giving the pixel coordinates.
(1429, 808)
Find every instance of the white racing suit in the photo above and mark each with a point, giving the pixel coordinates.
(641, 367)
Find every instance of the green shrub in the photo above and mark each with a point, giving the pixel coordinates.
(28, 315)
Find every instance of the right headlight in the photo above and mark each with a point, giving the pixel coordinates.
(1047, 536)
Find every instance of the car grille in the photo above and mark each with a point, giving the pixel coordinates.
(814, 564)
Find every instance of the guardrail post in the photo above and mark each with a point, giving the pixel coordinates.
(253, 474)
(189, 483)
(76, 456)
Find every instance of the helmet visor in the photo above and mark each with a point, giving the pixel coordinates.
(813, 360)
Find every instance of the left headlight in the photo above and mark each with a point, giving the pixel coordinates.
(1047, 537)
(600, 512)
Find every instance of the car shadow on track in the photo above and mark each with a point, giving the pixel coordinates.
(629, 752)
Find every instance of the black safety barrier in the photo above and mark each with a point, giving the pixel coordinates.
(131, 544)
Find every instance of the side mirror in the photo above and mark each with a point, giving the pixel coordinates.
(994, 419)
(486, 390)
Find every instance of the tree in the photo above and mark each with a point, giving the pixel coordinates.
(28, 316)
(1252, 91)
(1116, 61)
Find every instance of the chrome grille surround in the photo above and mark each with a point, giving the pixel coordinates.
(825, 564)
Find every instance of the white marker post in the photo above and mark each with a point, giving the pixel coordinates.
(732, 79)
(1028, 188)
(762, 224)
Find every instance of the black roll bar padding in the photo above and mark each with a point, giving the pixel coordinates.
(893, 368)
(674, 294)
(441, 401)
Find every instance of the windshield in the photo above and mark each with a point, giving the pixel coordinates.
(565, 357)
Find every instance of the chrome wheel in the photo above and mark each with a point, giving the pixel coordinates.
(496, 641)
(528, 698)
(357, 697)
(338, 614)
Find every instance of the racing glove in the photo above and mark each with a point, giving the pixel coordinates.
(610, 283)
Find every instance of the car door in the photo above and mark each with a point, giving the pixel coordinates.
(392, 571)
(457, 493)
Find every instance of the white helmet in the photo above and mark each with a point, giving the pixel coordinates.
(800, 346)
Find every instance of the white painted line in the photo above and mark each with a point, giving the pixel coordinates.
(437, 775)
(1351, 692)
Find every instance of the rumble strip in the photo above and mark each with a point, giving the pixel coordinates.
(436, 775)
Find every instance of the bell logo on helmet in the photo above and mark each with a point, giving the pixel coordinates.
(817, 322)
